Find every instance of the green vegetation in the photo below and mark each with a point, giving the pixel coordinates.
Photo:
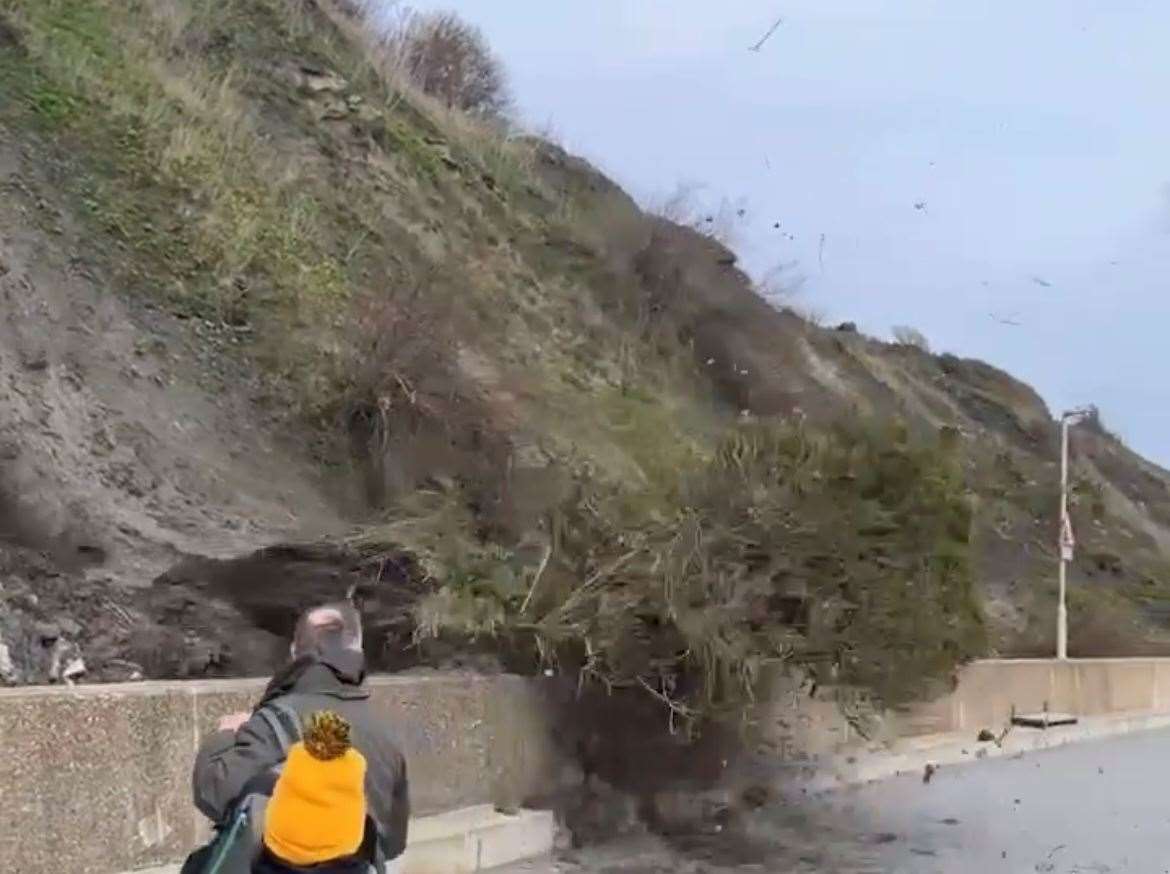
(845, 552)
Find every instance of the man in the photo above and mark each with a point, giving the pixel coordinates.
(326, 672)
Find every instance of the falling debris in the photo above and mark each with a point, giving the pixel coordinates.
(928, 772)
(766, 36)
(920, 205)
(821, 253)
(1041, 281)
(777, 225)
(1004, 320)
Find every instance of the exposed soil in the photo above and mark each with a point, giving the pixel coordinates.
(128, 455)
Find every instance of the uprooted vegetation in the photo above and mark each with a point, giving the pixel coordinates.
(846, 550)
(575, 424)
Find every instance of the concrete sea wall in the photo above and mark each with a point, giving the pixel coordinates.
(814, 735)
(96, 780)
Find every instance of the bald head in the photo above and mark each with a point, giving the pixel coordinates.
(330, 626)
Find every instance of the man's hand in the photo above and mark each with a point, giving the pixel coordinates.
(233, 721)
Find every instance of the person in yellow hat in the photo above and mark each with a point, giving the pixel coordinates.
(316, 818)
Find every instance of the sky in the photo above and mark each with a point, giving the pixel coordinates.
(994, 174)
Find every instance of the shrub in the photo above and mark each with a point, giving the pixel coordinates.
(908, 336)
(684, 206)
(844, 551)
(450, 59)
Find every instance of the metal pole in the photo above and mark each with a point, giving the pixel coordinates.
(1062, 608)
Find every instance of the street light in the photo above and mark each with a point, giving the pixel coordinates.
(1065, 537)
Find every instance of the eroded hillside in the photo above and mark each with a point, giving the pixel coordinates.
(266, 305)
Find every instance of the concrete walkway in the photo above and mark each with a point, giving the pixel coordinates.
(1084, 799)
(1101, 807)
(912, 755)
(1095, 807)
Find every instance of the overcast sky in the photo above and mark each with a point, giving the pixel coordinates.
(1033, 137)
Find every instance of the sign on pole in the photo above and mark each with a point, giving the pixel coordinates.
(1067, 541)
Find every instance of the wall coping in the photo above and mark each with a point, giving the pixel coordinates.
(242, 684)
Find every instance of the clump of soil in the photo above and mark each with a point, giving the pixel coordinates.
(203, 618)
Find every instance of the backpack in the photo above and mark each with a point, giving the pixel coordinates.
(239, 840)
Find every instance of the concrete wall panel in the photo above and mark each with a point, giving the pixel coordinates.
(96, 779)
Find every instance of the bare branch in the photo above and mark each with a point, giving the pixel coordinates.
(766, 36)
(548, 550)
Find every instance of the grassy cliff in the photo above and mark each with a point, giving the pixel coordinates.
(590, 437)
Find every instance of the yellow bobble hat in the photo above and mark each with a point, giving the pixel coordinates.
(317, 812)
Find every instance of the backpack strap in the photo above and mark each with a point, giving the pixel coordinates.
(285, 723)
(236, 848)
(371, 849)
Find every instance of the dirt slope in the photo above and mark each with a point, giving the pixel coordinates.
(117, 461)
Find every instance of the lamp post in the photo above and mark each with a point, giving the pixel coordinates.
(1065, 537)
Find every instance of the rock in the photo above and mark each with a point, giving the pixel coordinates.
(320, 81)
(65, 662)
(334, 111)
(847, 327)
(986, 735)
(8, 672)
(74, 670)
